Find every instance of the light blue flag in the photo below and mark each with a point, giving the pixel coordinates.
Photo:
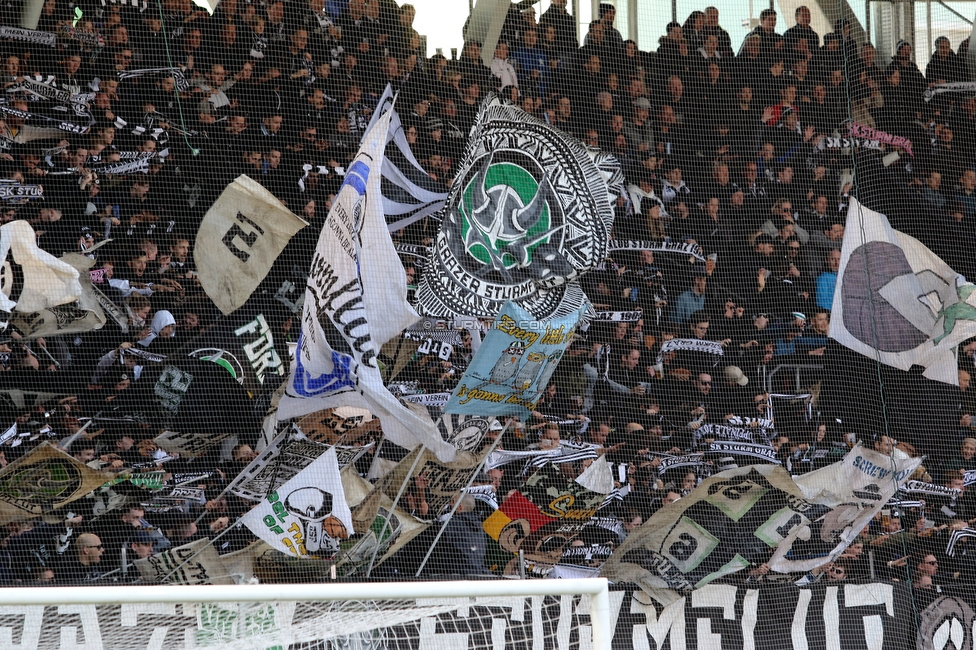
(514, 363)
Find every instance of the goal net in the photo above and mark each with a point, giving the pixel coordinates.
(437, 615)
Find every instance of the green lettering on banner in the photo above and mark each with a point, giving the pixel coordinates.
(220, 625)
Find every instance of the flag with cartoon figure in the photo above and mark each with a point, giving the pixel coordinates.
(514, 363)
(308, 515)
(542, 518)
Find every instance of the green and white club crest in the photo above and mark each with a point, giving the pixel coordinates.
(529, 212)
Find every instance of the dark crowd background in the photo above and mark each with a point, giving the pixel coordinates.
(725, 145)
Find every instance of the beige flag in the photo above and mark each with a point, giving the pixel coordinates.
(83, 315)
(239, 239)
(240, 564)
(346, 423)
(370, 510)
(46, 479)
(196, 563)
(48, 281)
(443, 480)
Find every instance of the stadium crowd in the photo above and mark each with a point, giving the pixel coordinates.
(746, 153)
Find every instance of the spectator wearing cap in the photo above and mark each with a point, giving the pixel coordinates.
(139, 546)
(639, 129)
(731, 395)
(420, 111)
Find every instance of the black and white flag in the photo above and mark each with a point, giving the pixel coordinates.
(409, 193)
(355, 301)
(32, 36)
(897, 302)
(529, 212)
(283, 459)
(244, 344)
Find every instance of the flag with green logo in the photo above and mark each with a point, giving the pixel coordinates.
(529, 212)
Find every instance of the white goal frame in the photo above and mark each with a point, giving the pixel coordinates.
(596, 588)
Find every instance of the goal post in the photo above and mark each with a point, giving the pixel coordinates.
(328, 611)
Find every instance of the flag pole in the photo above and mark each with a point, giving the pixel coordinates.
(212, 541)
(277, 439)
(65, 444)
(386, 522)
(457, 502)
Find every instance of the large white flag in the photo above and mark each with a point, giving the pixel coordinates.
(855, 489)
(898, 302)
(355, 301)
(308, 515)
(48, 281)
